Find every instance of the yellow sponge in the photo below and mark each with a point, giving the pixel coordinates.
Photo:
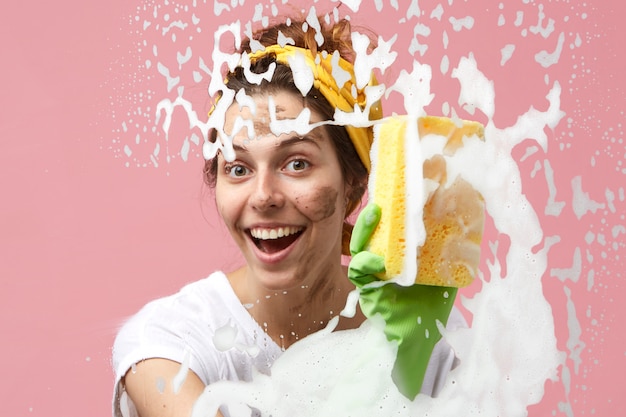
(453, 216)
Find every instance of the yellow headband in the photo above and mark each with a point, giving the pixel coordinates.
(341, 98)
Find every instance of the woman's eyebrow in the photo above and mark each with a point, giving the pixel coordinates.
(284, 143)
(299, 139)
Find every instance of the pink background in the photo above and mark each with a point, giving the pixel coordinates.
(89, 234)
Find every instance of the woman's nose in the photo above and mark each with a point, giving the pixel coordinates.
(267, 193)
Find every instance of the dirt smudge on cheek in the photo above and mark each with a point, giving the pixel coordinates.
(318, 204)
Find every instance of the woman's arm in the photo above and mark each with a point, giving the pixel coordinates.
(150, 387)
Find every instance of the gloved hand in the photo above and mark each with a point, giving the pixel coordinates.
(410, 313)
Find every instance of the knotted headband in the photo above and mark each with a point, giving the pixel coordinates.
(343, 97)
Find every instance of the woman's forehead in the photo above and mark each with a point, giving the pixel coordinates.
(279, 105)
(257, 141)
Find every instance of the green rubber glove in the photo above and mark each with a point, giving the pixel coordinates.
(410, 313)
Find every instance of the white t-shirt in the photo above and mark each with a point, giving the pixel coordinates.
(182, 327)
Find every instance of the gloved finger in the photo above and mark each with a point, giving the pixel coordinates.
(363, 267)
(365, 224)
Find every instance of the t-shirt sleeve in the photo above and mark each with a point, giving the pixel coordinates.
(169, 328)
(181, 328)
(164, 329)
(443, 359)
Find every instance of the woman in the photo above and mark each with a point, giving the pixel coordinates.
(284, 199)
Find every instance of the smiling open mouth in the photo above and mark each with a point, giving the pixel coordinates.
(275, 240)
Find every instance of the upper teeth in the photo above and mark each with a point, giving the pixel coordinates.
(274, 233)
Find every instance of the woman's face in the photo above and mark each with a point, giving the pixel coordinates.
(283, 198)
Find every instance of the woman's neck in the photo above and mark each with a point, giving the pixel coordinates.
(288, 315)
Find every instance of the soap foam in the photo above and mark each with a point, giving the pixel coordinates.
(510, 349)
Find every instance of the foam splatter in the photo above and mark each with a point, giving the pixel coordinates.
(536, 47)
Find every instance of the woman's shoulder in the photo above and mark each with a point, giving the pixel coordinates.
(212, 292)
(198, 295)
(180, 328)
(185, 325)
(217, 282)
(198, 301)
(188, 317)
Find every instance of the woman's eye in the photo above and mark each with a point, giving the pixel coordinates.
(297, 165)
(236, 171)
